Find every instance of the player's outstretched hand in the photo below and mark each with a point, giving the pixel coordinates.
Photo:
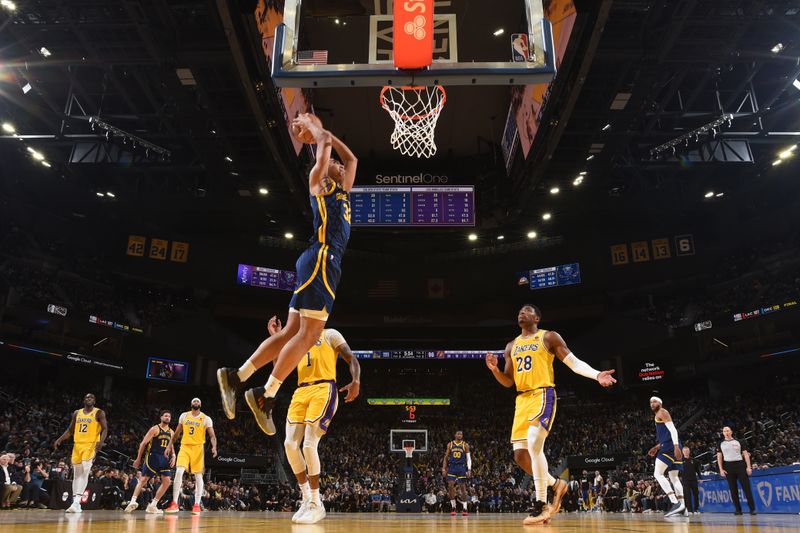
(654, 450)
(274, 325)
(137, 463)
(605, 378)
(213, 451)
(353, 390)
(172, 461)
(491, 361)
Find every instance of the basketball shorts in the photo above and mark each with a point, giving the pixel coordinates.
(457, 473)
(83, 451)
(668, 459)
(318, 271)
(534, 406)
(155, 464)
(312, 404)
(192, 458)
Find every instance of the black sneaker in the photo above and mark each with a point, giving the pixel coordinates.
(737, 513)
(262, 409)
(540, 512)
(676, 509)
(229, 385)
(753, 513)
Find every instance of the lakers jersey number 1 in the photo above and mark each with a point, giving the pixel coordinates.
(533, 363)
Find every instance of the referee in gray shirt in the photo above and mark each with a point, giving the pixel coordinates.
(734, 465)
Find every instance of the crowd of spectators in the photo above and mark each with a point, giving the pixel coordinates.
(356, 481)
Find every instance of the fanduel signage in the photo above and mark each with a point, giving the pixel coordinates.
(411, 179)
(775, 490)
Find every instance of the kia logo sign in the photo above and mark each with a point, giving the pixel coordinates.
(408, 501)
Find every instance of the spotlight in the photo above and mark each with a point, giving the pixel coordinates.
(582, 173)
(498, 32)
(531, 234)
(709, 194)
(547, 216)
(577, 181)
(37, 155)
(590, 157)
(786, 154)
(44, 52)
(336, 21)
(26, 88)
(288, 235)
(555, 190)
(472, 237)
(720, 194)
(263, 191)
(607, 127)
(796, 84)
(100, 194)
(500, 237)
(45, 163)
(9, 128)
(777, 162)
(777, 49)
(228, 159)
(111, 195)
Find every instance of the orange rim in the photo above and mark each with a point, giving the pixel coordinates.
(436, 110)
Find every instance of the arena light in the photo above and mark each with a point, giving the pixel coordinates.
(111, 194)
(472, 237)
(288, 235)
(531, 235)
(45, 163)
(607, 127)
(44, 52)
(555, 190)
(498, 32)
(100, 194)
(778, 48)
(582, 173)
(547, 216)
(228, 159)
(789, 152)
(9, 128)
(337, 21)
(577, 181)
(590, 157)
(263, 191)
(796, 84)
(720, 194)
(777, 162)
(37, 155)
(9, 5)
(26, 88)
(501, 237)
(709, 194)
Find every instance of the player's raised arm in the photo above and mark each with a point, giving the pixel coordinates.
(556, 345)
(101, 419)
(504, 377)
(354, 387)
(322, 138)
(349, 160)
(142, 445)
(70, 430)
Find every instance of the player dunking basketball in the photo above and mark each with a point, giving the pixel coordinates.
(318, 272)
(669, 457)
(89, 429)
(529, 366)
(457, 467)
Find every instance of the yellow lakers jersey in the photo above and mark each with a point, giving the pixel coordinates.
(319, 364)
(194, 428)
(533, 364)
(87, 428)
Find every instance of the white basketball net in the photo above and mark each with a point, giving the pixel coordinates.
(415, 111)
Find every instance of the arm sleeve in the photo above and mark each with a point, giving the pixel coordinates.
(208, 423)
(182, 419)
(469, 461)
(334, 338)
(580, 367)
(673, 431)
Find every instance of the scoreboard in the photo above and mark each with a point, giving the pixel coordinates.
(554, 276)
(413, 206)
(268, 278)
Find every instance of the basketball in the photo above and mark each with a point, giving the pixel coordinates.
(302, 134)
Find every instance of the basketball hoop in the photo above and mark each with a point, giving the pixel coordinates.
(415, 111)
(409, 448)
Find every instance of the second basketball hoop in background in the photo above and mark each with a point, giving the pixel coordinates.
(415, 111)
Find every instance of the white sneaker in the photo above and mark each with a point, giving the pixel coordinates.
(314, 514)
(75, 507)
(132, 506)
(300, 512)
(152, 509)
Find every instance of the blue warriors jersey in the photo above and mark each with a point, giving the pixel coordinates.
(158, 444)
(331, 217)
(458, 455)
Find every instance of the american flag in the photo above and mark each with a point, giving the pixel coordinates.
(312, 57)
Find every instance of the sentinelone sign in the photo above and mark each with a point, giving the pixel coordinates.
(422, 178)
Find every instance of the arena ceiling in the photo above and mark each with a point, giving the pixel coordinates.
(189, 77)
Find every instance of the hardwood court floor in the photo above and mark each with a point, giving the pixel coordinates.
(233, 522)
